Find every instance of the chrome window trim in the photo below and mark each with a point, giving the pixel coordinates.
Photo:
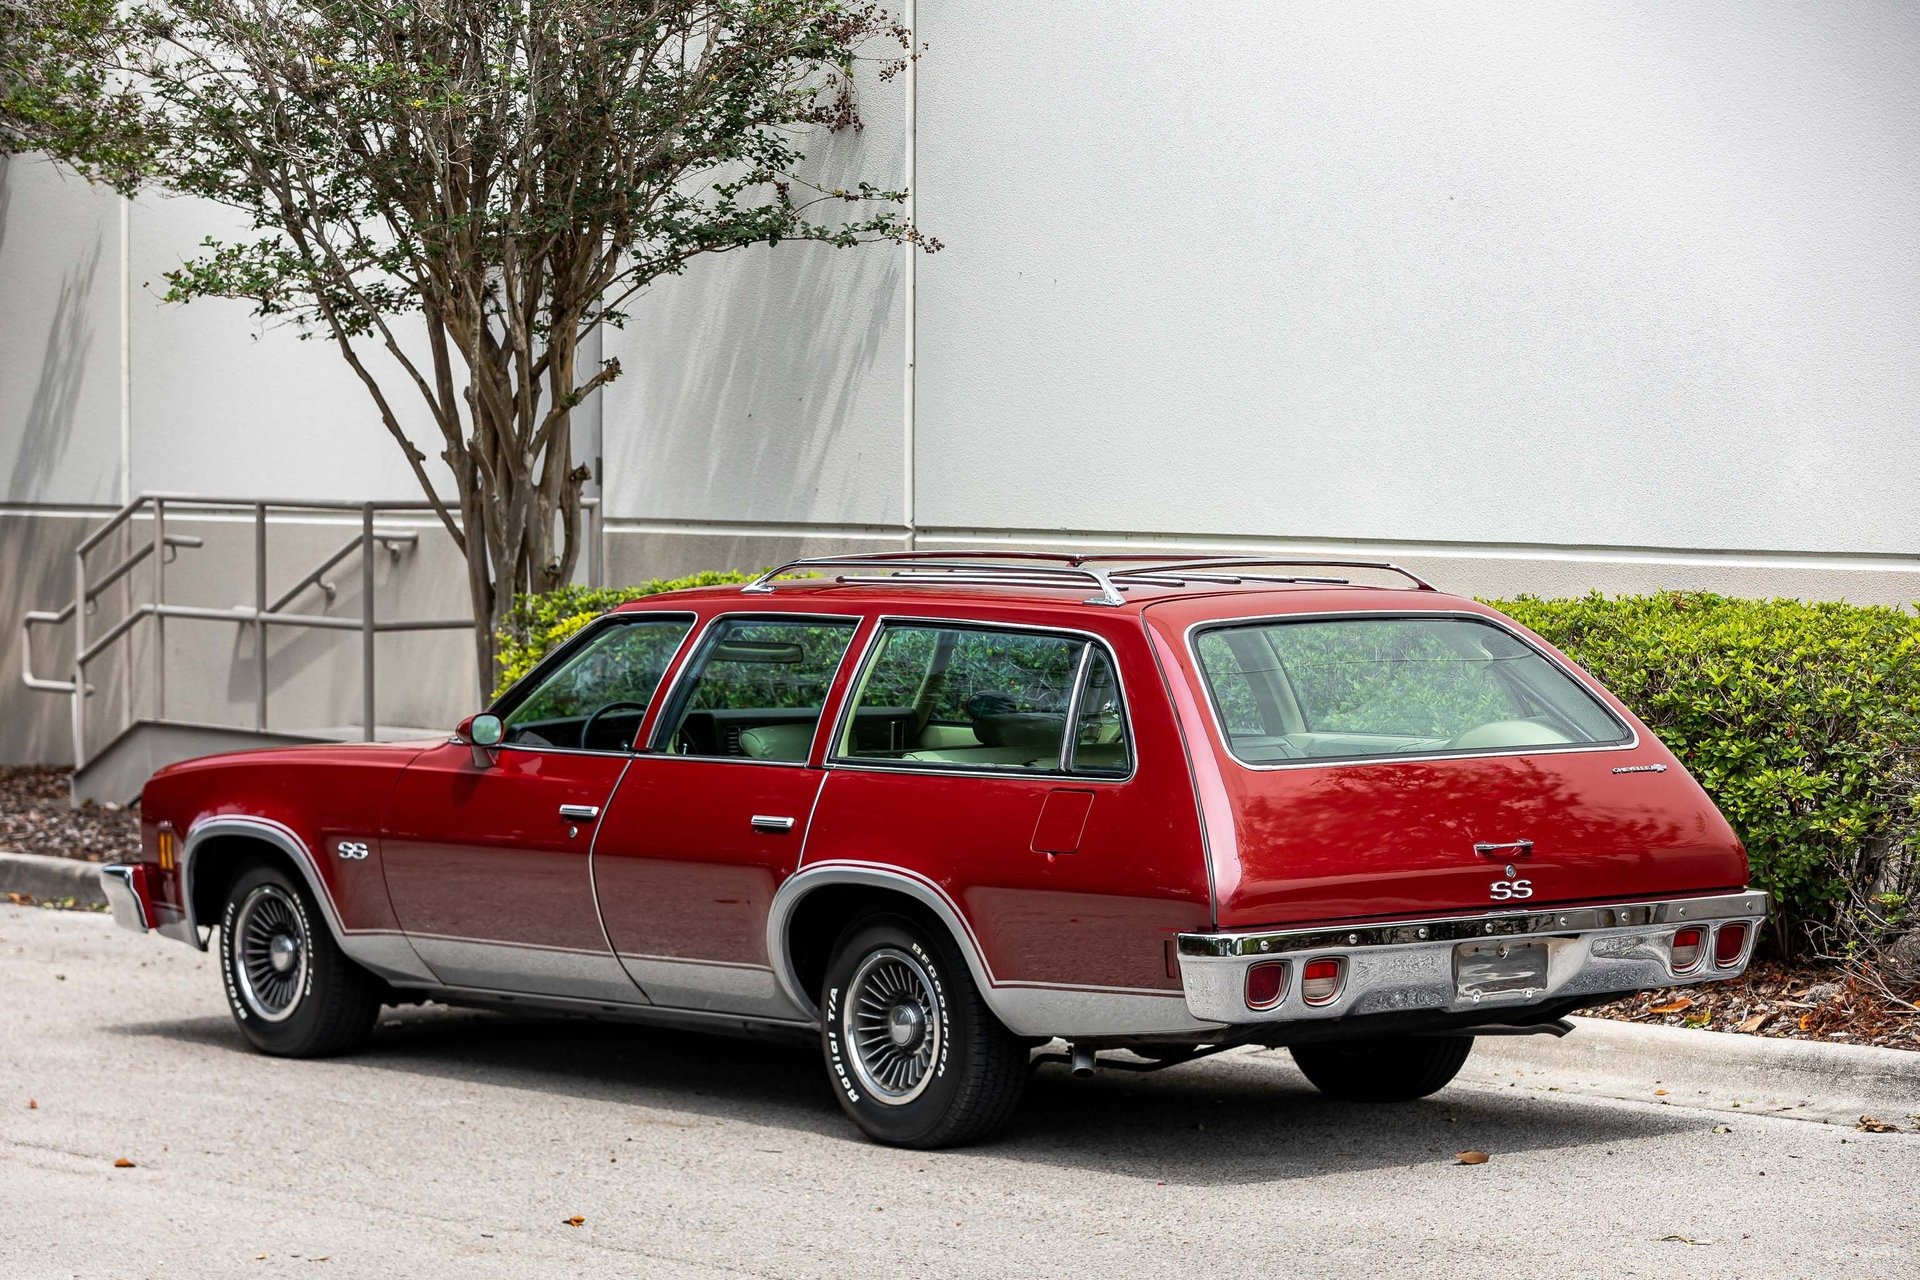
(1584, 683)
(833, 760)
(605, 622)
(652, 750)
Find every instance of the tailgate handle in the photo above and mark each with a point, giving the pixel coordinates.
(1518, 848)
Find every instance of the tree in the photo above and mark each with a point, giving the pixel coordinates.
(506, 175)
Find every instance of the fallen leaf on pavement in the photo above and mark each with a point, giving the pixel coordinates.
(1723, 1128)
(33, 1104)
(1673, 1006)
(1469, 1157)
(1869, 1125)
(1686, 1239)
(574, 1221)
(20, 899)
(1659, 1093)
(124, 1163)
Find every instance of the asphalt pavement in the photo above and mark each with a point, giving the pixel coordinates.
(463, 1144)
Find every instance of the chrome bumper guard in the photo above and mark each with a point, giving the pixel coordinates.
(116, 881)
(1409, 966)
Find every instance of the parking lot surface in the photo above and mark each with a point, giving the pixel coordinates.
(462, 1144)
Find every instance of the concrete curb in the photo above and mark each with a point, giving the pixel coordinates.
(51, 879)
(1716, 1070)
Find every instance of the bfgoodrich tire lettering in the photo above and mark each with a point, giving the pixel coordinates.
(912, 1052)
(291, 990)
(1383, 1069)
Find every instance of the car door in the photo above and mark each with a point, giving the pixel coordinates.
(488, 861)
(708, 822)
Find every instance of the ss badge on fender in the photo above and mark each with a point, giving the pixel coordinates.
(1504, 889)
(354, 849)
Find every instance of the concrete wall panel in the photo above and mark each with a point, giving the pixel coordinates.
(1641, 274)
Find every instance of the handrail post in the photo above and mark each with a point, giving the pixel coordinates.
(366, 618)
(78, 712)
(160, 617)
(260, 616)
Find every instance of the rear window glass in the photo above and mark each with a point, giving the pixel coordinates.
(1364, 687)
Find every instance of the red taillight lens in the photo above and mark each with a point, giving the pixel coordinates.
(1728, 944)
(1266, 983)
(1320, 981)
(1686, 950)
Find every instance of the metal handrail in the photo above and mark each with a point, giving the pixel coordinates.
(260, 615)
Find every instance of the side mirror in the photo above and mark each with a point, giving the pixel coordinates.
(484, 734)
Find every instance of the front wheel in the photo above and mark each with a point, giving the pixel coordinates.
(1383, 1069)
(913, 1053)
(292, 991)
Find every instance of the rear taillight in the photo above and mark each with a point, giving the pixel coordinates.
(1320, 980)
(1729, 944)
(1686, 950)
(1266, 983)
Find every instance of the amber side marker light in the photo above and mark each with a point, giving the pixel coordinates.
(1266, 983)
(1728, 944)
(164, 843)
(1686, 950)
(1320, 980)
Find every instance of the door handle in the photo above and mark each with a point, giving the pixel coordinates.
(771, 824)
(579, 812)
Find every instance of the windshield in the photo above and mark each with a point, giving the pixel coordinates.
(1363, 687)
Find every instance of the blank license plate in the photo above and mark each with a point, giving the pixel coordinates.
(1482, 969)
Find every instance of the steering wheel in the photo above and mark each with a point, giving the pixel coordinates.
(586, 728)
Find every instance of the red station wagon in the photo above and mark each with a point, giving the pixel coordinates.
(940, 810)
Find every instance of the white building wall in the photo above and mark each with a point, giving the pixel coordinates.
(1628, 275)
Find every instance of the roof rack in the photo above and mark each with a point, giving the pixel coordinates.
(1108, 574)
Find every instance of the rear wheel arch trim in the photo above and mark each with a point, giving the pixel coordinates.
(922, 891)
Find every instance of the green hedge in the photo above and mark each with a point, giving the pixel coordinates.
(537, 623)
(1801, 720)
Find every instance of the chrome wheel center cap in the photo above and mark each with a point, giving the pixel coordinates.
(282, 952)
(905, 1023)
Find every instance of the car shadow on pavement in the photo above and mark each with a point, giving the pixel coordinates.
(1245, 1117)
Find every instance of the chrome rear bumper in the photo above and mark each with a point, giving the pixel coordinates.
(117, 882)
(1409, 966)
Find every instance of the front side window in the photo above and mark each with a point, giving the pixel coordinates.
(983, 699)
(755, 689)
(1364, 687)
(595, 698)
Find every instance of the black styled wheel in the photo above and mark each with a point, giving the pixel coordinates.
(913, 1053)
(292, 991)
(1384, 1069)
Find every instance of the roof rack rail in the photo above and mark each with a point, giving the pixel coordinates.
(1109, 573)
(994, 568)
(1215, 565)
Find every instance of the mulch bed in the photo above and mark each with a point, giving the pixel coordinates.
(37, 816)
(1837, 1004)
(1850, 1004)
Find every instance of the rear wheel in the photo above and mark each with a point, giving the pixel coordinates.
(914, 1055)
(292, 991)
(1384, 1069)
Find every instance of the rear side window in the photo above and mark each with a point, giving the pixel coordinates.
(1365, 687)
(972, 698)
